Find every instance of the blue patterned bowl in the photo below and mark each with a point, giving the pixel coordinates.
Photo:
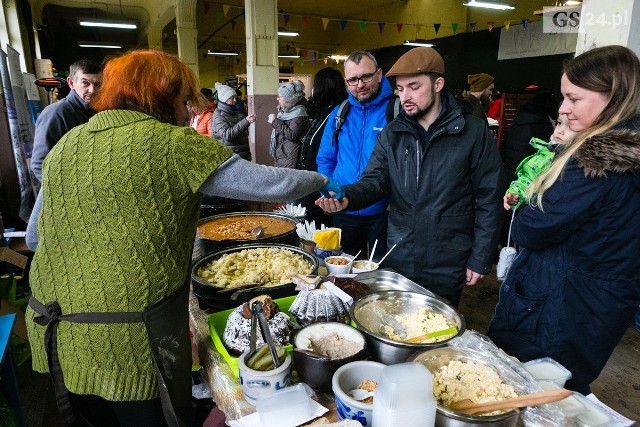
(348, 377)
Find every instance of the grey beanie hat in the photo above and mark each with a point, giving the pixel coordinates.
(224, 92)
(290, 89)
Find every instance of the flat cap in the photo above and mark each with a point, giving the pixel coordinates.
(418, 60)
(479, 82)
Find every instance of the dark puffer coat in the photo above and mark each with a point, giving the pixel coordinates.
(575, 286)
(232, 129)
(445, 196)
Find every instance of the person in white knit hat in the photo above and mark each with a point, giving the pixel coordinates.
(230, 126)
(289, 125)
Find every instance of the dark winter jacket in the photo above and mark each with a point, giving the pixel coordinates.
(232, 129)
(54, 121)
(445, 196)
(289, 134)
(529, 122)
(575, 286)
(346, 159)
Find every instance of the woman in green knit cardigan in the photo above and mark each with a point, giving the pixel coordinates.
(114, 225)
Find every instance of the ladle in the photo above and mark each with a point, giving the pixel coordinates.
(468, 407)
(257, 231)
(360, 394)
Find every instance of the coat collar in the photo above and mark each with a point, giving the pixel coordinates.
(616, 150)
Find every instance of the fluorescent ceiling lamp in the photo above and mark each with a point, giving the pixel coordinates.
(421, 43)
(289, 56)
(286, 33)
(571, 3)
(222, 53)
(108, 23)
(103, 45)
(488, 4)
(338, 57)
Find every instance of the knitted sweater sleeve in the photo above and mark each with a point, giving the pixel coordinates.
(240, 179)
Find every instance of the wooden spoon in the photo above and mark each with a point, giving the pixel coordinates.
(470, 408)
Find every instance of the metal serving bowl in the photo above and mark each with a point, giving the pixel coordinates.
(206, 246)
(222, 298)
(434, 359)
(369, 312)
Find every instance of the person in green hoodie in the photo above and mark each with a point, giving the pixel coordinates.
(113, 229)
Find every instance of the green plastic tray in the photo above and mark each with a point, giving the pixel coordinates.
(218, 321)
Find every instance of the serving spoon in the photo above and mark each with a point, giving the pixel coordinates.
(360, 394)
(257, 231)
(468, 407)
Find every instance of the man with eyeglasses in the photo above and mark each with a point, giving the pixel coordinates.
(343, 155)
(437, 163)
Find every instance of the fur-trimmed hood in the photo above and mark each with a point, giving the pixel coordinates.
(616, 150)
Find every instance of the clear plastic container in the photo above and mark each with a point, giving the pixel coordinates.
(592, 416)
(289, 404)
(404, 397)
(547, 369)
(571, 406)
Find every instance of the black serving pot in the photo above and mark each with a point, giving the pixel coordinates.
(212, 205)
(206, 246)
(223, 299)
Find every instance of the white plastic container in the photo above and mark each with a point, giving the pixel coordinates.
(404, 397)
(592, 416)
(547, 369)
(290, 404)
(571, 406)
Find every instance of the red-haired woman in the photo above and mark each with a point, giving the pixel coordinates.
(114, 226)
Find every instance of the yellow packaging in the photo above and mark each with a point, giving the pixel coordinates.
(329, 238)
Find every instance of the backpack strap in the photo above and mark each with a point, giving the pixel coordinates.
(343, 110)
(393, 108)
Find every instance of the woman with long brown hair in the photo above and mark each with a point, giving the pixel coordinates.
(113, 229)
(575, 285)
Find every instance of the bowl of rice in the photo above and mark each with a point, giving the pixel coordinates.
(460, 374)
(400, 323)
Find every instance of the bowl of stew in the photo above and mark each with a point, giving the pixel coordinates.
(233, 229)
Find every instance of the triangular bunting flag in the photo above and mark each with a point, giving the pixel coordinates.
(286, 18)
(490, 25)
(325, 22)
(506, 25)
(399, 26)
(218, 16)
(313, 62)
(302, 62)
(362, 24)
(472, 26)
(454, 27)
(381, 26)
(436, 27)
(206, 6)
(225, 9)
(297, 51)
(306, 20)
(233, 24)
(525, 22)
(418, 29)
(343, 24)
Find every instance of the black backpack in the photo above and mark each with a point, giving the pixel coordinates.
(392, 111)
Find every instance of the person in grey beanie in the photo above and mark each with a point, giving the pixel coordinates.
(230, 126)
(289, 125)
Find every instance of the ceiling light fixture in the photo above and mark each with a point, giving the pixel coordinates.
(287, 33)
(108, 23)
(489, 4)
(289, 56)
(338, 57)
(222, 53)
(102, 45)
(571, 3)
(421, 43)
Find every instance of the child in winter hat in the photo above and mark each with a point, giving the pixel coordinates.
(224, 92)
(290, 90)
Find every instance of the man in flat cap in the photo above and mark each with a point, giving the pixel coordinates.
(481, 86)
(443, 176)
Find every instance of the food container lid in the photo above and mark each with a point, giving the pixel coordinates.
(547, 369)
(591, 416)
(289, 403)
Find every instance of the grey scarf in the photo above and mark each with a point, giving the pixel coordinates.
(297, 111)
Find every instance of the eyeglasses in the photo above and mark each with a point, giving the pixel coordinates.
(365, 78)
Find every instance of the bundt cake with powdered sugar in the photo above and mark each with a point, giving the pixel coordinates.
(237, 332)
(318, 305)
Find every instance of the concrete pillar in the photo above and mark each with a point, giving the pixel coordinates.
(261, 19)
(187, 33)
(606, 23)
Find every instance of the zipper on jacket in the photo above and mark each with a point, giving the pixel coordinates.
(406, 169)
(418, 154)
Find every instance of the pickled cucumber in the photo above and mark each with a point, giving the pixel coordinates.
(262, 361)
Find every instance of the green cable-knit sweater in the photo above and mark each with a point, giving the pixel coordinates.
(115, 234)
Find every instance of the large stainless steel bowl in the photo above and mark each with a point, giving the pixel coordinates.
(368, 314)
(434, 359)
